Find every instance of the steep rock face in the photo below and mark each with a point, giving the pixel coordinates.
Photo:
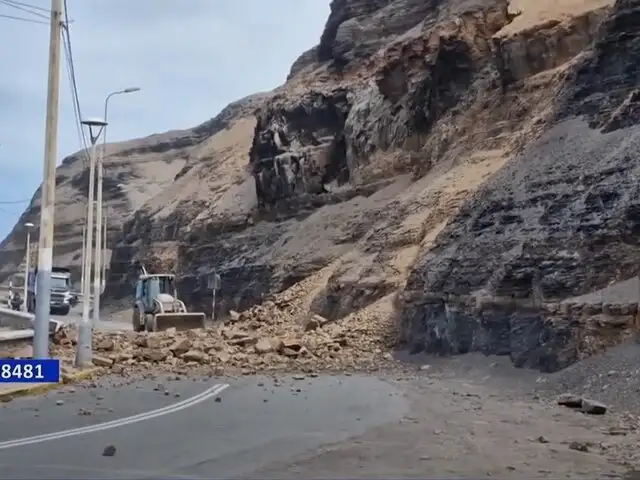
(305, 60)
(297, 148)
(305, 143)
(319, 190)
(558, 221)
(604, 87)
(334, 154)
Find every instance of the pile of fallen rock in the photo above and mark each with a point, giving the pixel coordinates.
(273, 336)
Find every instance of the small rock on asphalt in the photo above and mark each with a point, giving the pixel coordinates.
(109, 451)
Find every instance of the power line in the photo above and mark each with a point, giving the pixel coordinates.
(8, 212)
(23, 8)
(66, 40)
(74, 92)
(14, 202)
(22, 19)
(27, 5)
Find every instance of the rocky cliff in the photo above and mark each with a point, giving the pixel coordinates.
(474, 156)
(136, 171)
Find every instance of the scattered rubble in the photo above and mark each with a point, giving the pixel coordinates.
(585, 405)
(593, 407)
(611, 377)
(569, 400)
(109, 451)
(579, 446)
(273, 336)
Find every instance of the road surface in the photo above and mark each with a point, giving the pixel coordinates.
(75, 316)
(234, 429)
(463, 419)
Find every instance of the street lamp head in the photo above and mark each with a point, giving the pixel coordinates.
(131, 89)
(29, 225)
(94, 122)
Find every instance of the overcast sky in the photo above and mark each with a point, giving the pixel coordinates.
(190, 58)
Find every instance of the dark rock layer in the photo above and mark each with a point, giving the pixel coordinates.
(558, 221)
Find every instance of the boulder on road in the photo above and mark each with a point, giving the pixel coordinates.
(195, 356)
(593, 407)
(105, 345)
(315, 322)
(181, 346)
(99, 361)
(264, 345)
(570, 400)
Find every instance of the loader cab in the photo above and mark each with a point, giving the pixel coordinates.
(149, 287)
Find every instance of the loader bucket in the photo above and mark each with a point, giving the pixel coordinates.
(180, 321)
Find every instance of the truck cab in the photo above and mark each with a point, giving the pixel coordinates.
(60, 301)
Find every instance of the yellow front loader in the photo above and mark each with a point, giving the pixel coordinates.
(158, 308)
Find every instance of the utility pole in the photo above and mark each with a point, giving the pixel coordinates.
(104, 256)
(27, 260)
(83, 351)
(48, 191)
(213, 282)
(84, 252)
(97, 284)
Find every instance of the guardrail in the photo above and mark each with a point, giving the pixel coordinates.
(15, 320)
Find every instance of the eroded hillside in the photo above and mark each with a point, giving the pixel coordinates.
(483, 150)
(136, 172)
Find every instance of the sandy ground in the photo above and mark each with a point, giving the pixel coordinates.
(473, 417)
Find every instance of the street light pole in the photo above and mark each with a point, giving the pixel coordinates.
(84, 253)
(27, 260)
(83, 352)
(104, 257)
(47, 196)
(100, 270)
(84, 275)
(98, 247)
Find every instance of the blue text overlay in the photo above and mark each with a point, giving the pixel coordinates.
(29, 371)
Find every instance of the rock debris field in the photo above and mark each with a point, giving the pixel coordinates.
(276, 336)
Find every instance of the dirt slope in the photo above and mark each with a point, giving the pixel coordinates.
(480, 149)
(136, 172)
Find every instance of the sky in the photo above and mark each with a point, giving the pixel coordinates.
(190, 58)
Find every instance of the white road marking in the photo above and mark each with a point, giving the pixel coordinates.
(176, 407)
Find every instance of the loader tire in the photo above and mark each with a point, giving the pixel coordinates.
(136, 321)
(150, 323)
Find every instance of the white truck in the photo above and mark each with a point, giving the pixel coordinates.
(60, 302)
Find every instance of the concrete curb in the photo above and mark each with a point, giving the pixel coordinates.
(37, 389)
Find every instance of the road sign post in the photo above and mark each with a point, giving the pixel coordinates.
(213, 283)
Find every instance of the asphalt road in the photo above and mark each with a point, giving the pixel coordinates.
(234, 428)
(75, 315)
